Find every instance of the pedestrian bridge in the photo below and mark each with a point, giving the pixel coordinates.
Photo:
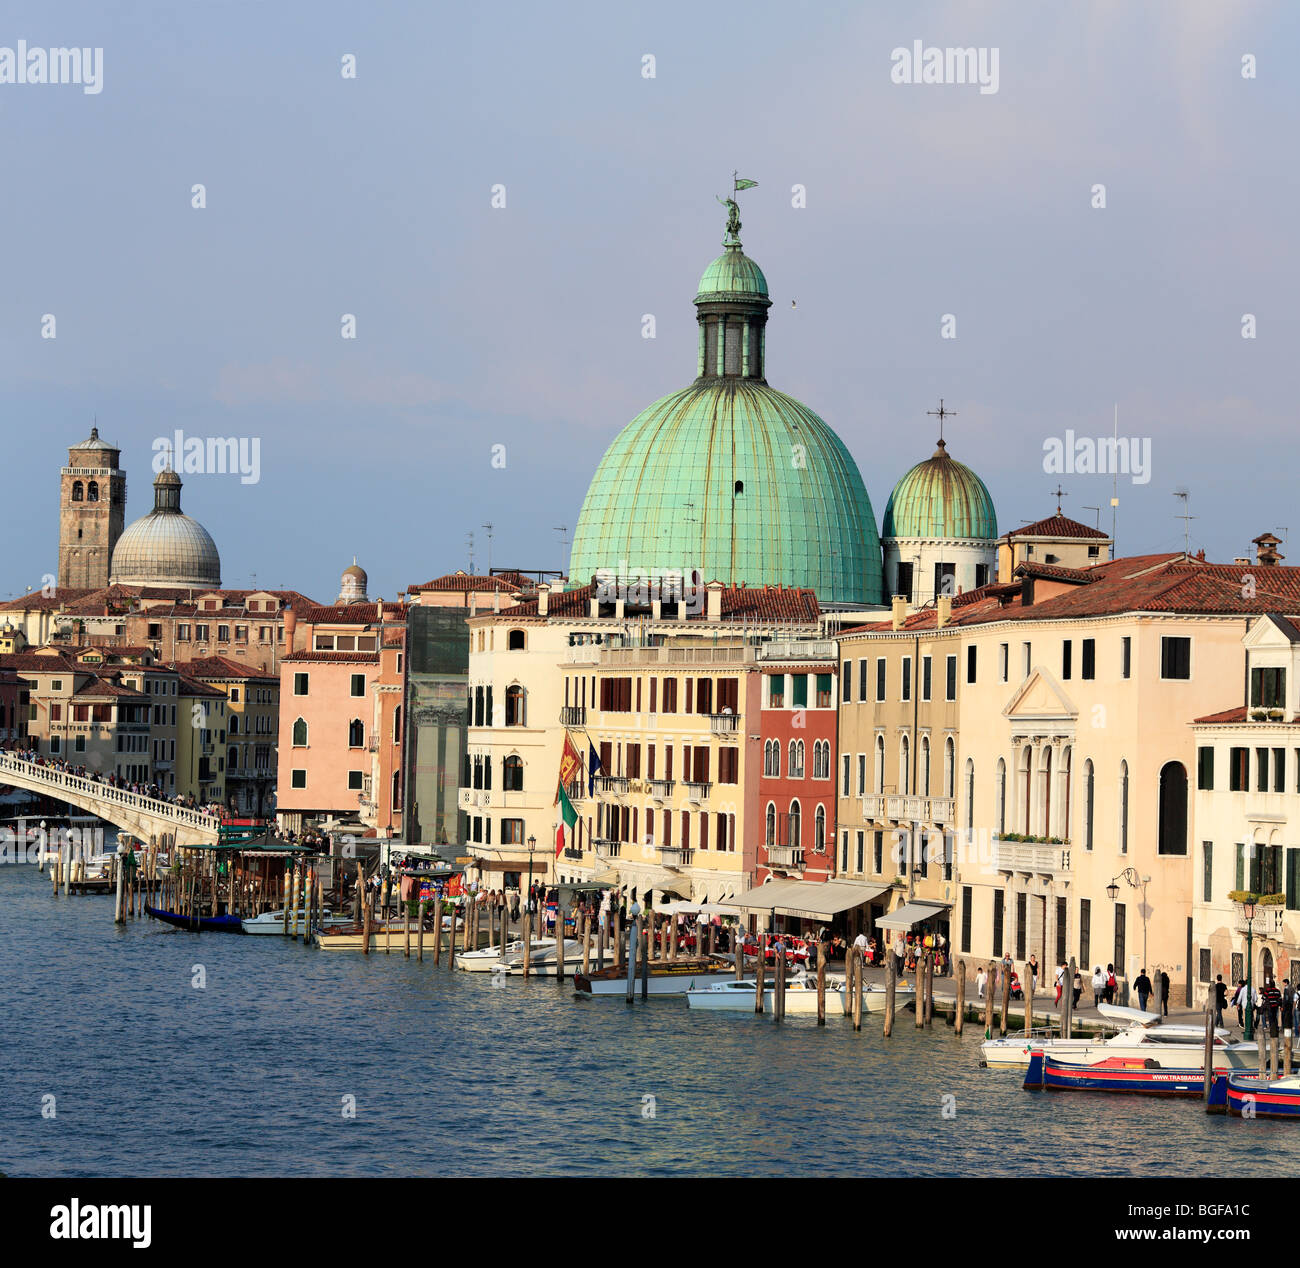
(143, 817)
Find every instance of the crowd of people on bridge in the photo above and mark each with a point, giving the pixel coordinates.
(113, 780)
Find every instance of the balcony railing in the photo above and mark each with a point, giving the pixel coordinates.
(697, 790)
(602, 845)
(1032, 858)
(573, 715)
(724, 723)
(921, 809)
(576, 791)
(676, 856)
(572, 852)
(616, 784)
(785, 855)
(660, 789)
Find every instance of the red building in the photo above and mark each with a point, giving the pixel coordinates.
(798, 726)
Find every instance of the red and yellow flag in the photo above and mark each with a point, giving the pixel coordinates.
(570, 765)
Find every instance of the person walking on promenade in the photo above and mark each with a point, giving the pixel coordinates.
(1032, 966)
(1111, 984)
(1164, 993)
(1220, 1000)
(981, 981)
(1098, 986)
(1142, 984)
(1061, 971)
(900, 953)
(1270, 1000)
(1288, 1007)
(1239, 1001)
(1077, 986)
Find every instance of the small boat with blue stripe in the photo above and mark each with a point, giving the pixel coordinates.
(1249, 1097)
(1146, 1075)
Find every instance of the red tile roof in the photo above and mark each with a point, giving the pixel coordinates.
(98, 686)
(340, 658)
(1056, 526)
(220, 667)
(464, 583)
(1055, 572)
(350, 614)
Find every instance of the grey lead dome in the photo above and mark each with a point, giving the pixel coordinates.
(166, 547)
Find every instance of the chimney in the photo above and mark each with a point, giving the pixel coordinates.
(290, 625)
(543, 599)
(943, 611)
(379, 611)
(898, 612)
(713, 601)
(496, 600)
(1266, 550)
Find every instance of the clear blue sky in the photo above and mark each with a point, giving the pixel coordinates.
(522, 327)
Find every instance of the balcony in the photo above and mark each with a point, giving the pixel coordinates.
(603, 846)
(675, 856)
(724, 723)
(785, 856)
(1032, 858)
(616, 784)
(372, 745)
(573, 715)
(873, 806)
(917, 809)
(474, 798)
(576, 791)
(571, 852)
(660, 789)
(697, 790)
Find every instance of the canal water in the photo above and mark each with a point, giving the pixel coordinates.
(174, 1054)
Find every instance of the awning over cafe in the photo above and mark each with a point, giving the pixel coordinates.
(813, 900)
(912, 914)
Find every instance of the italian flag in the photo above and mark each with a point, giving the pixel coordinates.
(568, 817)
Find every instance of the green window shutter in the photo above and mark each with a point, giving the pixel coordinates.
(1292, 863)
(1241, 867)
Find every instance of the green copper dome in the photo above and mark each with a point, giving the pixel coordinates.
(732, 273)
(940, 498)
(729, 477)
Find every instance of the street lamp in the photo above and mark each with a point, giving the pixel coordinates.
(1135, 882)
(1248, 914)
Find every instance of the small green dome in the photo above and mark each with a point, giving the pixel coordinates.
(732, 273)
(940, 498)
(739, 481)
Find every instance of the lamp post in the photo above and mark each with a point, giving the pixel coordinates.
(1248, 913)
(1135, 882)
(532, 845)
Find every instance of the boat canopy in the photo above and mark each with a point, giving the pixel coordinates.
(911, 914)
(814, 900)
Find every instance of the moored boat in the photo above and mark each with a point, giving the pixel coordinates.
(486, 959)
(1249, 1097)
(350, 937)
(1135, 1041)
(541, 958)
(664, 977)
(271, 922)
(1114, 1074)
(196, 924)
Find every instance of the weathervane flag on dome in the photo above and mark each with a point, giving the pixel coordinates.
(740, 183)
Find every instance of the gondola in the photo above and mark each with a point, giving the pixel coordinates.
(199, 924)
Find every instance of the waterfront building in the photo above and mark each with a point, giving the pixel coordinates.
(940, 531)
(199, 766)
(462, 590)
(1247, 813)
(728, 478)
(340, 717)
(92, 506)
(253, 718)
(1072, 749)
(14, 700)
(797, 722)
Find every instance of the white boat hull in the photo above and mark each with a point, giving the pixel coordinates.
(1183, 1047)
(800, 998)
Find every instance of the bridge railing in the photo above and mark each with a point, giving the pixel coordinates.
(180, 815)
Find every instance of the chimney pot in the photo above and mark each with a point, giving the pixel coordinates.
(898, 611)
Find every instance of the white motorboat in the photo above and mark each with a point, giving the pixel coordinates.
(664, 977)
(271, 922)
(486, 959)
(541, 958)
(800, 996)
(350, 937)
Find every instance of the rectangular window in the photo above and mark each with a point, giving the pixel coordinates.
(862, 679)
(966, 904)
(950, 679)
(1121, 949)
(1279, 770)
(1022, 921)
(970, 663)
(1026, 653)
(925, 678)
(1126, 657)
(300, 684)
(846, 679)
(298, 778)
(775, 691)
(845, 767)
(1241, 867)
(200, 633)
(999, 903)
(1088, 665)
(1004, 661)
(825, 691)
(1268, 688)
(355, 780)
(799, 690)
(1238, 769)
(670, 695)
(907, 679)
(880, 678)
(862, 779)
(1085, 932)
(1067, 653)
(861, 850)
(1062, 922)
(1205, 767)
(728, 765)
(1261, 770)
(1207, 871)
(1292, 880)
(358, 685)
(878, 852)
(1175, 657)
(1203, 962)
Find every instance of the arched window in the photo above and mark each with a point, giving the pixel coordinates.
(515, 706)
(800, 759)
(970, 795)
(794, 824)
(232, 758)
(512, 773)
(234, 724)
(300, 733)
(904, 766)
(1123, 807)
(819, 831)
(949, 768)
(880, 763)
(516, 641)
(1002, 796)
(795, 770)
(1173, 809)
(1026, 786)
(771, 824)
(1045, 793)
(78, 493)
(92, 491)
(1063, 798)
(356, 734)
(923, 773)
(1088, 788)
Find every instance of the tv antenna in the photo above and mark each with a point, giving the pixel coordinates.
(1098, 510)
(469, 538)
(563, 530)
(1187, 521)
(489, 528)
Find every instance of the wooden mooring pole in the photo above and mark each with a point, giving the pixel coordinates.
(960, 1015)
(778, 996)
(920, 987)
(1006, 994)
(1029, 1002)
(821, 983)
(758, 980)
(419, 934)
(929, 988)
(858, 976)
(633, 947)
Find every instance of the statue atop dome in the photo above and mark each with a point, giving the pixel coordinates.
(732, 236)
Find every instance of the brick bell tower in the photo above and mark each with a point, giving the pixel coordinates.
(92, 508)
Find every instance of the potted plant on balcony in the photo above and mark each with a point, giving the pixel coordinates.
(1258, 715)
(1275, 715)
